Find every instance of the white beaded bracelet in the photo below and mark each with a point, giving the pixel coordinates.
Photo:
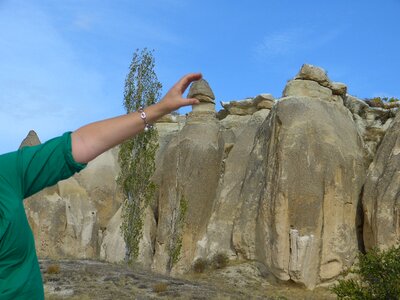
(143, 116)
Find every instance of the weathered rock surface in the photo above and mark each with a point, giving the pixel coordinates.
(249, 106)
(381, 193)
(31, 139)
(201, 90)
(307, 88)
(372, 123)
(68, 219)
(304, 156)
(239, 142)
(191, 170)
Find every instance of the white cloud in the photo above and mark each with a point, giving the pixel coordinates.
(292, 41)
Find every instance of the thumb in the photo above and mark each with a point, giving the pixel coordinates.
(192, 101)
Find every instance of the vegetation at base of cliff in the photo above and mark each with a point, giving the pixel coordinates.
(377, 276)
(218, 261)
(137, 155)
(176, 240)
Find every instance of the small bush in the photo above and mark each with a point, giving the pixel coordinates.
(383, 102)
(378, 277)
(53, 269)
(200, 265)
(219, 260)
(160, 287)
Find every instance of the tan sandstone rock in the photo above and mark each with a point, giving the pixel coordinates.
(249, 106)
(313, 73)
(299, 210)
(380, 199)
(307, 88)
(31, 139)
(201, 90)
(191, 169)
(69, 218)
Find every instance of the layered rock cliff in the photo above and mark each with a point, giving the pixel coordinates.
(300, 183)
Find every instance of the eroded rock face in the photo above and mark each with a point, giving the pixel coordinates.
(68, 219)
(303, 158)
(372, 123)
(189, 179)
(381, 193)
(239, 141)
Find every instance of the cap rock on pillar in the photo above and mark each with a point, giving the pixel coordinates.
(201, 90)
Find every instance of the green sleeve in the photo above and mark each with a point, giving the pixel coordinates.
(45, 164)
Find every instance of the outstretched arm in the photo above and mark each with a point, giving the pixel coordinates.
(93, 139)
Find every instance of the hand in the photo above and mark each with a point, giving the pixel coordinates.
(173, 100)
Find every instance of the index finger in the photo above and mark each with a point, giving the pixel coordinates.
(186, 80)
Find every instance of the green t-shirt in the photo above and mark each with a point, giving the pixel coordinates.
(22, 174)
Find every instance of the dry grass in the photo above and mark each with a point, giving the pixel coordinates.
(200, 265)
(53, 269)
(160, 287)
(219, 260)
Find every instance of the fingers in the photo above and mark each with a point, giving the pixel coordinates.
(191, 101)
(186, 80)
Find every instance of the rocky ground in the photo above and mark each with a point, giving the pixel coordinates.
(85, 279)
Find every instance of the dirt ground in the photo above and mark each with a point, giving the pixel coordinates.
(86, 279)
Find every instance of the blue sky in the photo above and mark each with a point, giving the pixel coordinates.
(63, 63)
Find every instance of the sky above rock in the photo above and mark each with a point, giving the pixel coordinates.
(63, 63)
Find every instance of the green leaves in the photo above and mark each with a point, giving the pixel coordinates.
(378, 276)
(137, 155)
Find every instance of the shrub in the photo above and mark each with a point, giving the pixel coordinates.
(200, 265)
(160, 287)
(378, 276)
(53, 269)
(219, 260)
(383, 102)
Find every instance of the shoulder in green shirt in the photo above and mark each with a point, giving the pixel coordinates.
(22, 174)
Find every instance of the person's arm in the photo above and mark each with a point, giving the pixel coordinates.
(93, 139)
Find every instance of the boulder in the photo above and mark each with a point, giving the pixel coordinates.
(249, 106)
(313, 73)
(201, 90)
(338, 88)
(264, 101)
(307, 88)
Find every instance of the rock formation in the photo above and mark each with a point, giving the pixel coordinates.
(31, 139)
(201, 90)
(299, 184)
(71, 218)
(381, 193)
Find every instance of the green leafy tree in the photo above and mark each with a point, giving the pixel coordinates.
(377, 277)
(137, 155)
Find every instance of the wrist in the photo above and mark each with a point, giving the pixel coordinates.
(156, 111)
(162, 109)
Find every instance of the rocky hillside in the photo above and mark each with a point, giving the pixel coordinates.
(299, 184)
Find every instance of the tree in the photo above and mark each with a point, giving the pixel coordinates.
(137, 155)
(377, 277)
